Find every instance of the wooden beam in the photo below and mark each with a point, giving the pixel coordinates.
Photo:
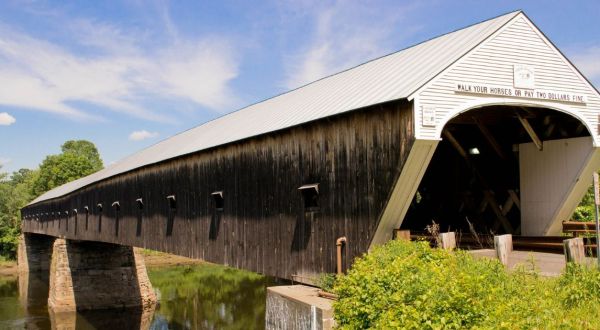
(563, 132)
(549, 130)
(503, 220)
(456, 145)
(488, 196)
(507, 206)
(482, 206)
(490, 139)
(515, 198)
(534, 137)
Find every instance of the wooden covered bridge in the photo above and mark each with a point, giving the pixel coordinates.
(490, 124)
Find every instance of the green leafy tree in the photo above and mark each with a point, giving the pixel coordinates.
(85, 149)
(78, 159)
(15, 193)
(585, 211)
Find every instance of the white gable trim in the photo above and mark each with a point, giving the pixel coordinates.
(459, 60)
(559, 53)
(439, 100)
(491, 101)
(499, 31)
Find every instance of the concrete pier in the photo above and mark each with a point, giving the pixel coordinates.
(297, 307)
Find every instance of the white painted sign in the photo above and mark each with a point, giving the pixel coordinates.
(536, 94)
(523, 76)
(428, 115)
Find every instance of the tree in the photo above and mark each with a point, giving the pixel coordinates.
(15, 193)
(85, 149)
(78, 159)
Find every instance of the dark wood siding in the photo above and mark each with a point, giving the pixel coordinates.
(263, 227)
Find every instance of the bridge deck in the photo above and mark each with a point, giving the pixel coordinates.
(546, 264)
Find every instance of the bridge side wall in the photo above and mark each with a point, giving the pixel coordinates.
(263, 225)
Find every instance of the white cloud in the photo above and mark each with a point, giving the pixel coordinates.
(142, 135)
(4, 161)
(6, 119)
(346, 34)
(588, 61)
(120, 75)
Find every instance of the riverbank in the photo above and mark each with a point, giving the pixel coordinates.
(153, 259)
(8, 268)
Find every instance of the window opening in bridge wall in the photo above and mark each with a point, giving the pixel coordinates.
(75, 220)
(99, 208)
(117, 208)
(171, 214)
(215, 221)
(87, 215)
(140, 212)
(310, 195)
(218, 200)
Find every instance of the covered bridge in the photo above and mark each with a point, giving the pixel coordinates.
(490, 123)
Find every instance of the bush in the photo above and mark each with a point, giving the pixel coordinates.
(326, 282)
(412, 286)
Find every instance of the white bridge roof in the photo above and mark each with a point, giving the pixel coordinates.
(391, 77)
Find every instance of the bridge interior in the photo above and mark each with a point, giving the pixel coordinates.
(473, 181)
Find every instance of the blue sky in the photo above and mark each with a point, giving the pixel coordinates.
(127, 74)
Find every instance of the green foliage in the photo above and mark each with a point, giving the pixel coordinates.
(412, 286)
(585, 211)
(78, 159)
(84, 149)
(579, 285)
(15, 193)
(326, 282)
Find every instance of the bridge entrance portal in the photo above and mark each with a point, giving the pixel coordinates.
(502, 169)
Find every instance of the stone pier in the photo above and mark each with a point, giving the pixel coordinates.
(33, 254)
(80, 275)
(92, 275)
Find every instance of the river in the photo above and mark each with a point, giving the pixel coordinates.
(201, 296)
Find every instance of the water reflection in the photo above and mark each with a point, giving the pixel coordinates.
(129, 318)
(14, 313)
(190, 297)
(209, 297)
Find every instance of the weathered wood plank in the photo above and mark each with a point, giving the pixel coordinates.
(263, 226)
